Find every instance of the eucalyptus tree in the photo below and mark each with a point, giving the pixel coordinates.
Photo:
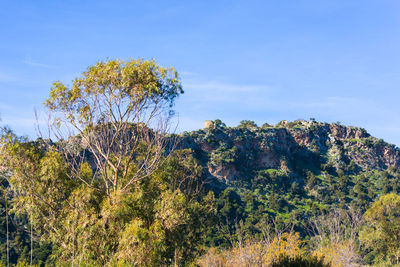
(120, 112)
(107, 190)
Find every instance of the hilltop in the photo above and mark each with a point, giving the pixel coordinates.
(229, 153)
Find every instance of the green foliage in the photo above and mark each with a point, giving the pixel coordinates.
(171, 216)
(224, 156)
(161, 220)
(110, 109)
(19, 238)
(291, 192)
(266, 126)
(381, 232)
(133, 81)
(246, 124)
(218, 124)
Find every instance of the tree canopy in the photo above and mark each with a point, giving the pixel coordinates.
(107, 189)
(118, 110)
(381, 232)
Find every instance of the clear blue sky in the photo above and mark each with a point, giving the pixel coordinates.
(258, 60)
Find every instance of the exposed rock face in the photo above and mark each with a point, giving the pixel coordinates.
(223, 173)
(232, 153)
(208, 124)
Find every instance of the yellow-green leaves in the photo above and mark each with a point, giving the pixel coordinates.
(107, 190)
(85, 171)
(381, 232)
(58, 96)
(133, 82)
(120, 110)
(171, 210)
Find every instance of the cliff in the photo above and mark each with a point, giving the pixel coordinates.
(232, 153)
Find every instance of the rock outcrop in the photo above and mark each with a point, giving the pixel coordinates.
(231, 153)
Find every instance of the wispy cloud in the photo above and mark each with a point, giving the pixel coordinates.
(29, 61)
(203, 93)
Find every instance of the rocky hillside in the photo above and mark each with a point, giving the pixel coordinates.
(290, 172)
(232, 153)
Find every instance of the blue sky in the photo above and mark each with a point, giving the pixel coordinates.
(258, 60)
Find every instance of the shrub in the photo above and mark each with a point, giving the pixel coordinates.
(299, 261)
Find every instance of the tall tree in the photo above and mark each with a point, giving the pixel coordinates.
(108, 189)
(118, 110)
